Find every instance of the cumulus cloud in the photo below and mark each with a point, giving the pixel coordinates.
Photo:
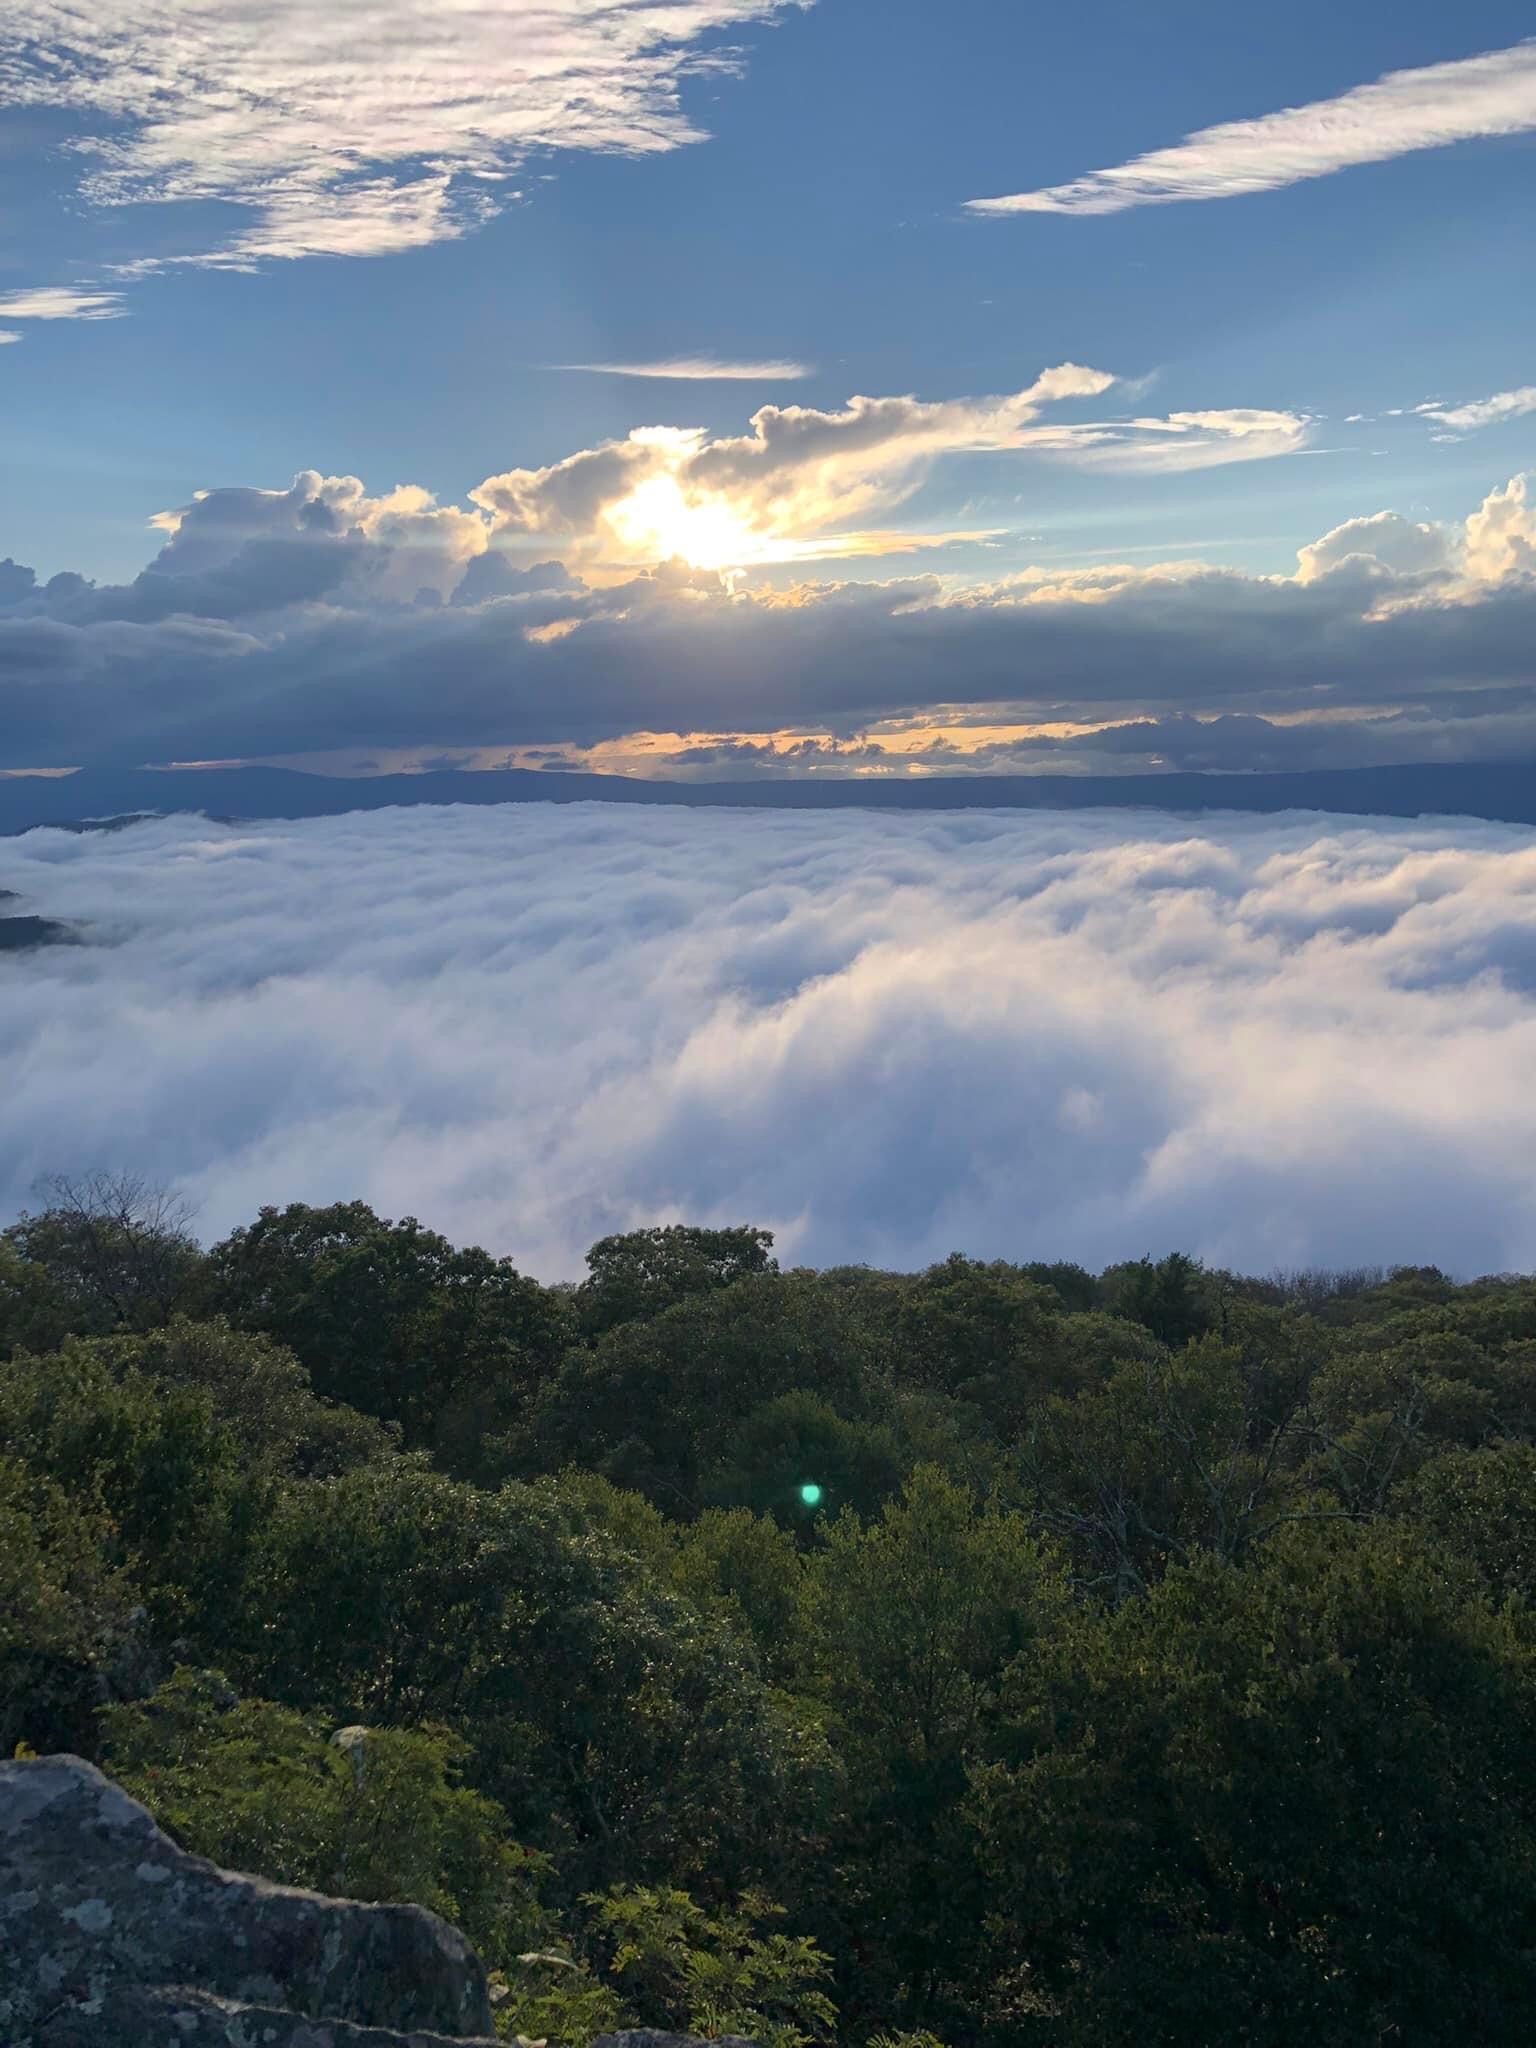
(1088, 1036)
(1501, 534)
(701, 370)
(357, 130)
(311, 620)
(1427, 108)
(1384, 540)
(793, 488)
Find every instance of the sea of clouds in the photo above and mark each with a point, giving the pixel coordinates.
(1269, 1041)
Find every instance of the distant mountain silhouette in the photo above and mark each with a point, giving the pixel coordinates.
(101, 796)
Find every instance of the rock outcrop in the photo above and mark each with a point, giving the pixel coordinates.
(112, 1937)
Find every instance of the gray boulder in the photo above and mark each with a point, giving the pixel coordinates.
(112, 1937)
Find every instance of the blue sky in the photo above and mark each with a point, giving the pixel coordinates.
(821, 219)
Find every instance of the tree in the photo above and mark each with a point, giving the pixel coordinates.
(1276, 1802)
(988, 1335)
(391, 1318)
(36, 1310)
(256, 1388)
(797, 1459)
(638, 1273)
(116, 1247)
(1173, 1298)
(751, 1564)
(1171, 1456)
(624, 1730)
(370, 1813)
(715, 1973)
(164, 1477)
(655, 1404)
(1481, 1506)
(66, 1612)
(913, 1623)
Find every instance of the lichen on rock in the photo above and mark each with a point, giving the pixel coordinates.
(113, 1937)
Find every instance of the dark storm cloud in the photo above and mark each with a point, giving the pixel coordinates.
(311, 620)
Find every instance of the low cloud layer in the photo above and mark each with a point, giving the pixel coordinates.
(1427, 108)
(1269, 1041)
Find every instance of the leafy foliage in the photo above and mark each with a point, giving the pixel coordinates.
(985, 1656)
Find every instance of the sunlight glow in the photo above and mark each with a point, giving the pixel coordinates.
(708, 533)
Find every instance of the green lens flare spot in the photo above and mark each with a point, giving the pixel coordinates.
(810, 1493)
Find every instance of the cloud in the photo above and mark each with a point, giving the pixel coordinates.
(325, 618)
(1428, 108)
(1483, 412)
(8, 334)
(1501, 534)
(1271, 1042)
(1385, 540)
(701, 369)
(59, 302)
(358, 131)
(792, 488)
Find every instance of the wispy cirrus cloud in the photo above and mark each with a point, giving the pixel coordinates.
(358, 129)
(702, 370)
(1428, 108)
(59, 302)
(1482, 412)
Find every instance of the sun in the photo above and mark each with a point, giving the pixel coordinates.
(656, 519)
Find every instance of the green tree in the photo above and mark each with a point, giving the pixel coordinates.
(638, 1273)
(623, 1730)
(37, 1311)
(1480, 1505)
(797, 1459)
(368, 1813)
(392, 1319)
(1174, 1297)
(655, 1404)
(165, 1477)
(990, 1336)
(913, 1622)
(1171, 1456)
(258, 1389)
(750, 1563)
(116, 1248)
(1288, 1801)
(680, 1965)
(66, 1613)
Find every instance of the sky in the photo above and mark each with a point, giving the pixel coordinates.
(707, 387)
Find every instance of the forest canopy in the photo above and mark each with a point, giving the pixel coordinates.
(1002, 1653)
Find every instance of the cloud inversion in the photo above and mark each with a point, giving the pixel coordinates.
(1270, 1042)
